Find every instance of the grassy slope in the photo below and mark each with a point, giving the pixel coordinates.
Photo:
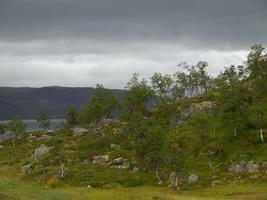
(81, 172)
(11, 187)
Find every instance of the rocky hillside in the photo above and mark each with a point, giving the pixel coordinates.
(104, 157)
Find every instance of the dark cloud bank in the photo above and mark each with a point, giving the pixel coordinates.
(80, 43)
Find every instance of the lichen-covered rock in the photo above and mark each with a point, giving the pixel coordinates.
(101, 159)
(40, 151)
(193, 178)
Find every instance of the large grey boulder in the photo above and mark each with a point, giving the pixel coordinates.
(101, 159)
(40, 151)
(193, 178)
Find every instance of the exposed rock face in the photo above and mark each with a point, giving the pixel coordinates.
(26, 169)
(101, 159)
(192, 178)
(39, 152)
(244, 167)
(196, 108)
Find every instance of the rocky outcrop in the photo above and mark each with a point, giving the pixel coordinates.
(196, 108)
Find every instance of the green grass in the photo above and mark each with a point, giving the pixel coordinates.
(13, 188)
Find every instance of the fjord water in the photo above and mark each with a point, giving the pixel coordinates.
(32, 126)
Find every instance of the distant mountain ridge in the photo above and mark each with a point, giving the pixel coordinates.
(30, 102)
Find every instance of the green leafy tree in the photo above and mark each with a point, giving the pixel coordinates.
(232, 98)
(257, 66)
(155, 149)
(43, 121)
(72, 116)
(100, 106)
(17, 127)
(138, 94)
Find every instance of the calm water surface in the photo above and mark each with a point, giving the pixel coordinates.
(32, 126)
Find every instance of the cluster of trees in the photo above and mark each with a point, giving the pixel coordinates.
(154, 110)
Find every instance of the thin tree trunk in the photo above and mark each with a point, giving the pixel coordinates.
(176, 182)
(211, 166)
(13, 142)
(260, 127)
(235, 132)
(159, 178)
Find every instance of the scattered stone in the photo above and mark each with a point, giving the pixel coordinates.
(118, 161)
(89, 187)
(243, 166)
(264, 165)
(251, 167)
(26, 169)
(135, 169)
(1, 146)
(235, 168)
(192, 178)
(115, 146)
(78, 131)
(124, 165)
(39, 152)
(101, 159)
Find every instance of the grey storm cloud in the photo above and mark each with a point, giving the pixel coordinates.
(84, 42)
(234, 23)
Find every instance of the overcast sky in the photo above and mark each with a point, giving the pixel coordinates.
(84, 42)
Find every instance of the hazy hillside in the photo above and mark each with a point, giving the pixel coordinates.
(30, 102)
